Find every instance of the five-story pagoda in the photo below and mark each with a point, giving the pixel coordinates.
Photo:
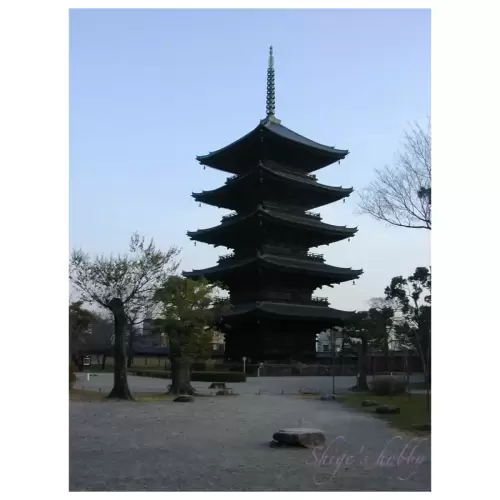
(271, 275)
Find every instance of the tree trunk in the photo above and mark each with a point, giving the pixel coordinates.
(386, 355)
(120, 388)
(362, 375)
(103, 365)
(181, 376)
(428, 386)
(130, 358)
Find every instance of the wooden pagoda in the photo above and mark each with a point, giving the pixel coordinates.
(271, 275)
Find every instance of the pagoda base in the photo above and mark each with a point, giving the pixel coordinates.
(271, 341)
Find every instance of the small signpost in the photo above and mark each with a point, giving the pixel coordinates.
(333, 341)
(87, 362)
(244, 363)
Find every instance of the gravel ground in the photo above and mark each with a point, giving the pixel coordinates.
(221, 444)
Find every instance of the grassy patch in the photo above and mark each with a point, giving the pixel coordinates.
(418, 386)
(413, 409)
(86, 395)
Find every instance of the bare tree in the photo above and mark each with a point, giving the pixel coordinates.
(401, 195)
(120, 284)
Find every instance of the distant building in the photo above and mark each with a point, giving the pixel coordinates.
(324, 341)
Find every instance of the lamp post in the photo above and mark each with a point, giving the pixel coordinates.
(332, 341)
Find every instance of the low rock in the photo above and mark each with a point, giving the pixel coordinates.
(184, 398)
(387, 409)
(309, 392)
(303, 437)
(217, 385)
(369, 402)
(422, 427)
(224, 392)
(328, 397)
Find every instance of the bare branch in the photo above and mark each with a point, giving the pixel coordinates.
(132, 278)
(401, 195)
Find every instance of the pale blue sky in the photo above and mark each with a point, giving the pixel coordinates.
(151, 89)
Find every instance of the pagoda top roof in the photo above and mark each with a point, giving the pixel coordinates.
(291, 310)
(276, 127)
(301, 265)
(273, 128)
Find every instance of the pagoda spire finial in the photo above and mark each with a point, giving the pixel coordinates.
(270, 97)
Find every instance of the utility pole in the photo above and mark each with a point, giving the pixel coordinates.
(333, 341)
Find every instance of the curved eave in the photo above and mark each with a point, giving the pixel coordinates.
(332, 274)
(308, 224)
(210, 197)
(297, 311)
(206, 159)
(330, 154)
(286, 133)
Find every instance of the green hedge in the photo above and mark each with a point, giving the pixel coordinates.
(388, 386)
(195, 376)
(218, 377)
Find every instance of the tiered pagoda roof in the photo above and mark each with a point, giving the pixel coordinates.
(242, 190)
(237, 228)
(280, 309)
(310, 265)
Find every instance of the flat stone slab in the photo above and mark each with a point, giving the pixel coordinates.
(387, 409)
(217, 385)
(225, 392)
(183, 398)
(300, 436)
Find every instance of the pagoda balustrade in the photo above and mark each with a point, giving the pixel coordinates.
(320, 301)
(275, 296)
(226, 256)
(232, 178)
(314, 214)
(294, 173)
(316, 256)
(229, 216)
